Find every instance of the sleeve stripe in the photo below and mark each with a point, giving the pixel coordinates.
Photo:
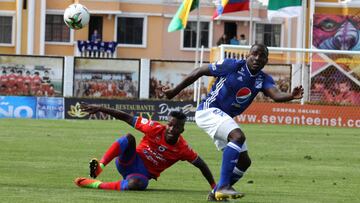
(134, 121)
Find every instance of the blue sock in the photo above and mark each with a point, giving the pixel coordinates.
(236, 176)
(230, 158)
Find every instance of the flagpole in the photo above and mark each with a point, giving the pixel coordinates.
(311, 22)
(304, 11)
(197, 48)
(199, 87)
(251, 22)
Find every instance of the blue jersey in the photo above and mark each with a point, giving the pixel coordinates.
(235, 87)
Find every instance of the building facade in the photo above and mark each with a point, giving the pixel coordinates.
(36, 27)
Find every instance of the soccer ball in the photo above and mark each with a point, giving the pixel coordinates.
(76, 16)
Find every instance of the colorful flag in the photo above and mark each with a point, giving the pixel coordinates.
(282, 8)
(179, 21)
(228, 6)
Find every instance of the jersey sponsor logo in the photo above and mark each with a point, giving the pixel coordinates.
(243, 95)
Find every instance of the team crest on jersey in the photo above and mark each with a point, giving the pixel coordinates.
(258, 84)
(243, 95)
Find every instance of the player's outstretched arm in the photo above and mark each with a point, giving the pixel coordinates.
(200, 164)
(278, 96)
(92, 109)
(189, 79)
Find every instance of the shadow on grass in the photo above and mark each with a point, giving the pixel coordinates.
(177, 191)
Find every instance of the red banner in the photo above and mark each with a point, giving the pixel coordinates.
(296, 114)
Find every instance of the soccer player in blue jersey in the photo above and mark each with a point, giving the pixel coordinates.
(237, 84)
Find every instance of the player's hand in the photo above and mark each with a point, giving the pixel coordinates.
(169, 93)
(298, 92)
(90, 108)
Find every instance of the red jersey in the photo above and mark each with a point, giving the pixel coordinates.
(155, 152)
(4, 80)
(11, 79)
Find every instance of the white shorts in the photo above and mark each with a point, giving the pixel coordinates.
(217, 124)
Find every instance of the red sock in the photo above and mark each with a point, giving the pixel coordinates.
(110, 185)
(113, 151)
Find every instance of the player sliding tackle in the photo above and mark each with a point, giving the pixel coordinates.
(161, 147)
(237, 84)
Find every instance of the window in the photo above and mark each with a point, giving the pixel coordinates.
(6, 29)
(56, 29)
(190, 35)
(268, 34)
(130, 30)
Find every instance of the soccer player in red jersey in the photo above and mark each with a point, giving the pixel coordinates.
(11, 78)
(161, 147)
(4, 78)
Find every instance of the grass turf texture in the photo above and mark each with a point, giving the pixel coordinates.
(39, 160)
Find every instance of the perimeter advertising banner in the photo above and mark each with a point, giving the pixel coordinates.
(257, 113)
(296, 114)
(50, 108)
(153, 110)
(17, 107)
(31, 107)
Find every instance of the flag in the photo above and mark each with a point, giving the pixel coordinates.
(228, 6)
(179, 21)
(282, 8)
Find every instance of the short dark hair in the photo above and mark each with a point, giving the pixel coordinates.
(178, 115)
(261, 45)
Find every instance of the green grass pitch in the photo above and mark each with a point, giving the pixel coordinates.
(39, 160)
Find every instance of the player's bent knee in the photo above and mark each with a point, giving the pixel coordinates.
(237, 135)
(137, 184)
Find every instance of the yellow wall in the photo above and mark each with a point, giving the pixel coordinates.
(56, 4)
(7, 50)
(337, 11)
(37, 27)
(24, 32)
(146, 8)
(8, 6)
(93, 5)
(59, 50)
